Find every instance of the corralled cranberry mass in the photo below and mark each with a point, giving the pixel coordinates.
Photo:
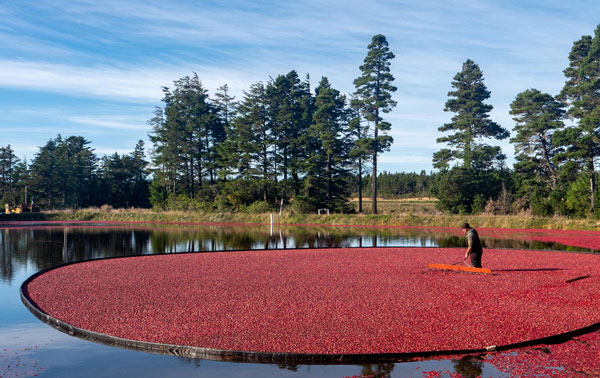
(378, 300)
(579, 357)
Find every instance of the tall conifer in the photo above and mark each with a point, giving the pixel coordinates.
(537, 115)
(470, 123)
(374, 90)
(327, 156)
(581, 93)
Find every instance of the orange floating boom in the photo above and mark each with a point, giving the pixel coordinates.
(460, 268)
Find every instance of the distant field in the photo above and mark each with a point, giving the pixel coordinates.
(419, 211)
(409, 199)
(414, 205)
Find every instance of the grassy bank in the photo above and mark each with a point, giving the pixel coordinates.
(411, 216)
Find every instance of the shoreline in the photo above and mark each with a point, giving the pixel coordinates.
(379, 220)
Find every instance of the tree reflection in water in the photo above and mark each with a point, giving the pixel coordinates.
(469, 366)
(43, 247)
(378, 370)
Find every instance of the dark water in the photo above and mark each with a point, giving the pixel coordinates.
(29, 347)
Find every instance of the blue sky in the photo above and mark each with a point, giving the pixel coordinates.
(96, 68)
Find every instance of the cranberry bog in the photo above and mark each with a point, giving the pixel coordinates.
(321, 305)
(535, 315)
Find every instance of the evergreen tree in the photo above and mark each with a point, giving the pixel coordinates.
(361, 150)
(235, 153)
(466, 188)
(402, 184)
(45, 173)
(164, 164)
(470, 124)
(122, 179)
(463, 190)
(581, 93)
(138, 171)
(255, 138)
(8, 161)
(374, 89)
(537, 115)
(194, 115)
(226, 105)
(186, 136)
(20, 183)
(226, 108)
(238, 153)
(78, 163)
(327, 157)
(63, 172)
(290, 112)
(116, 186)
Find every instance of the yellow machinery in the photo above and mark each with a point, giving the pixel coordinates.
(13, 210)
(22, 208)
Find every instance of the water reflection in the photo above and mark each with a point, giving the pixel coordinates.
(43, 247)
(469, 366)
(378, 370)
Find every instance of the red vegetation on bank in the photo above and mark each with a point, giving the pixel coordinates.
(325, 301)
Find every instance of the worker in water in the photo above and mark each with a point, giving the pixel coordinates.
(474, 248)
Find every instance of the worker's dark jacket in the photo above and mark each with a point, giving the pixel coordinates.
(476, 248)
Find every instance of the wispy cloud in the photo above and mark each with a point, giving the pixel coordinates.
(138, 84)
(110, 122)
(391, 159)
(113, 52)
(19, 45)
(133, 84)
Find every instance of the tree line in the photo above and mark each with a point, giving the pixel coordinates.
(66, 173)
(287, 144)
(400, 184)
(282, 144)
(556, 141)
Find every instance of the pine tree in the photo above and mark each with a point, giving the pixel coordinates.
(8, 161)
(139, 197)
(327, 159)
(290, 112)
(260, 144)
(261, 126)
(63, 172)
(163, 171)
(360, 151)
(470, 124)
(226, 108)
(247, 152)
(374, 89)
(20, 180)
(79, 164)
(44, 174)
(186, 135)
(242, 147)
(226, 105)
(116, 185)
(537, 115)
(166, 154)
(582, 95)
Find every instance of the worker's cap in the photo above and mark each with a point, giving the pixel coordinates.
(465, 225)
